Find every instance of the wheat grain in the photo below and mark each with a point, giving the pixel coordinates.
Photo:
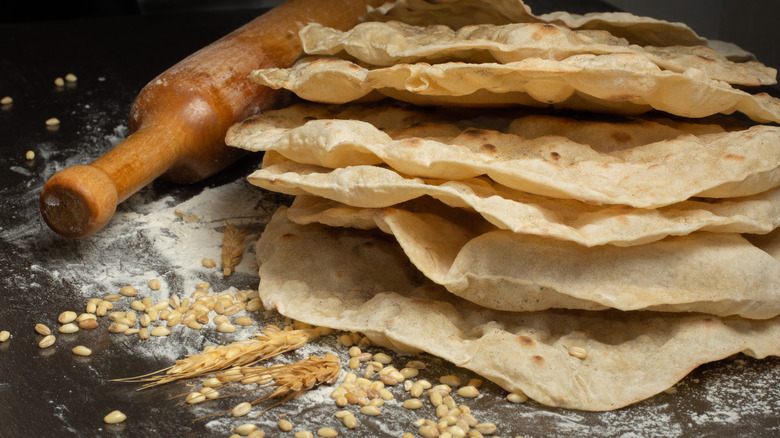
(232, 247)
(271, 342)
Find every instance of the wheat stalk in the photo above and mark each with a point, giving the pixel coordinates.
(232, 247)
(271, 342)
(289, 381)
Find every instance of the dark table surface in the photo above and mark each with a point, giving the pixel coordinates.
(50, 392)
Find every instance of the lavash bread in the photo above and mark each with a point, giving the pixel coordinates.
(507, 209)
(386, 44)
(361, 281)
(626, 83)
(499, 242)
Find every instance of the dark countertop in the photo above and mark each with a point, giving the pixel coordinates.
(50, 392)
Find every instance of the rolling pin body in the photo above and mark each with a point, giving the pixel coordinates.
(178, 121)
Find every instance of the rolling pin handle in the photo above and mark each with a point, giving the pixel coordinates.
(78, 201)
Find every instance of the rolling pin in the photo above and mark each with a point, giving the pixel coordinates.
(178, 121)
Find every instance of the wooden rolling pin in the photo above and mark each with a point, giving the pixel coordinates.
(179, 119)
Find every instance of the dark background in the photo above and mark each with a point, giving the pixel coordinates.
(115, 47)
(752, 24)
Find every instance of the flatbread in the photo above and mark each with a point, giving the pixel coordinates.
(644, 31)
(719, 274)
(360, 281)
(587, 225)
(386, 44)
(615, 83)
(644, 164)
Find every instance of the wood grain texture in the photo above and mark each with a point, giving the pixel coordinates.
(179, 119)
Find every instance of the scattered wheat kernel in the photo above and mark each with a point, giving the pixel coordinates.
(209, 392)
(47, 341)
(355, 351)
(101, 310)
(370, 410)
(162, 305)
(195, 325)
(486, 428)
(113, 298)
(285, 426)
(383, 358)
(244, 321)
(128, 291)
(468, 391)
(67, 316)
(517, 397)
(450, 380)
(241, 409)
(350, 421)
(211, 381)
(70, 77)
(412, 403)
(345, 340)
(117, 328)
(428, 431)
(4, 335)
(153, 314)
(154, 284)
(416, 390)
(303, 434)
(29, 155)
(226, 327)
(353, 363)
(88, 324)
(59, 82)
(456, 431)
(114, 417)
(254, 305)
(442, 410)
(449, 402)
(195, 397)
(407, 435)
(409, 373)
(475, 434)
(578, 352)
(436, 399)
(160, 331)
(246, 428)
(475, 383)
(52, 121)
(416, 364)
(208, 262)
(7, 100)
(327, 432)
(219, 319)
(69, 328)
(85, 316)
(342, 414)
(41, 329)
(81, 350)
(256, 434)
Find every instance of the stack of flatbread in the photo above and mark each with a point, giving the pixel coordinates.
(497, 188)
